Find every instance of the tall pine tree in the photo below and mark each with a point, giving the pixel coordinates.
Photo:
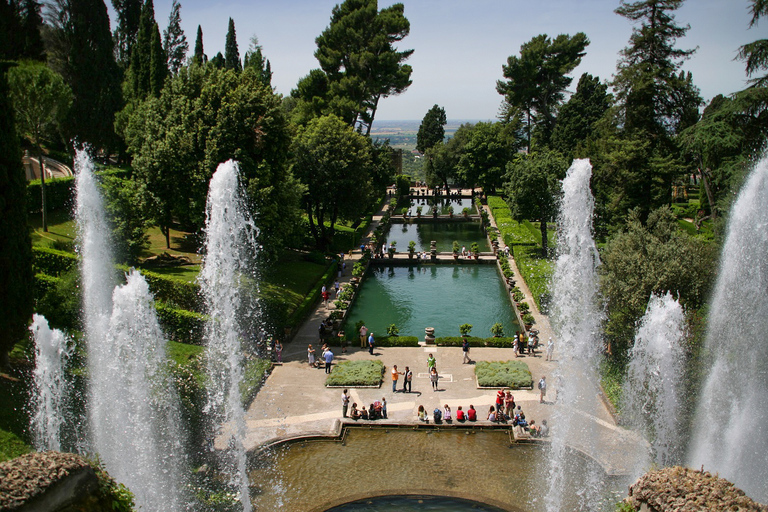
(231, 53)
(16, 277)
(175, 43)
(128, 15)
(254, 59)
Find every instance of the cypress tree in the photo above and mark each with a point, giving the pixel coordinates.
(11, 37)
(32, 22)
(231, 53)
(16, 277)
(128, 15)
(92, 74)
(158, 69)
(148, 66)
(175, 43)
(199, 57)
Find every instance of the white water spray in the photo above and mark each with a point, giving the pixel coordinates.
(731, 421)
(133, 413)
(226, 273)
(50, 384)
(653, 389)
(576, 317)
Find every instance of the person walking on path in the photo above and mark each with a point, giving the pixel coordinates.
(550, 349)
(384, 407)
(311, 355)
(433, 376)
(371, 343)
(363, 336)
(407, 378)
(328, 355)
(465, 349)
(542, 389)
(431, 362)
(395, 375)
(344, 403)
(279, 351)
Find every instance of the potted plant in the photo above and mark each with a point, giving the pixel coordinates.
(465, 329)
(393, 331)
(435, 211)
(392, 249)
(418, 211)
(411, 248)
(455, 249)
(475, 249)
(523, 307)
(528, 321)
(450, 210)
(497, 330)
(465, 212)
(404, 211)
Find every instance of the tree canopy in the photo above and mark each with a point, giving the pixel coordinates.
(175, 43)
(357, 53)
(432, 129)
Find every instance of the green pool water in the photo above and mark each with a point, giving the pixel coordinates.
(444, 233)
(439, 296)
(426, 205)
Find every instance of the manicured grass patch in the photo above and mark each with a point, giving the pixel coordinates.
(507, 374)
(254, 375)
(536, 270)
(11, 446)
(356, 373)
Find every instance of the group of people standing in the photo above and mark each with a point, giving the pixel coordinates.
(326, 357)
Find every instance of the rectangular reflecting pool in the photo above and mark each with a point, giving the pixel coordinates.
(426, 204)
(444, 233)
(439, 296)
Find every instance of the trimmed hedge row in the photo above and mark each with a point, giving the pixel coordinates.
(456, 341)
(59, 194)
(312, 297)
(181, 325)
(506, 374)
(175, 292)
(43, 283)
(52, 262)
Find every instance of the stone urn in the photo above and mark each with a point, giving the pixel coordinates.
(429, 335)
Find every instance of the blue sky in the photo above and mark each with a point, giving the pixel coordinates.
(460, 46)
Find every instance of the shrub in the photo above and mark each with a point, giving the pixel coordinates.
(51, 261)
(523, 307)
(501, 342)
(397, 341)
(181, 325)
(497, 329)
(507, 374)
(528, 319)
(356, 373)
(43, 284)
(176, 292)
(392, 331)
(465, 329)
(59, 194)
(456, 341)
(358, 269)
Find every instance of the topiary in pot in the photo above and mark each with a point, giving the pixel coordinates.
(465, 329)
(497, 330)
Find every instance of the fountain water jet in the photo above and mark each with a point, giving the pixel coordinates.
(653, 387)
(227, 270)
(731, 422)
(132, 409)
(51, 358)
(576, 317)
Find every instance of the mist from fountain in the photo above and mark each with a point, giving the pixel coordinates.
(652, 394)
(50, 384)
(132, 407)
(731, 421)
(576, 319)
(227, 271)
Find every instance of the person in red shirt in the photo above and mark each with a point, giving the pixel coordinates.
(471, 413)
(460, 416)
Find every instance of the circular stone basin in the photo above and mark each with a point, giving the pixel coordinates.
(414, 504)
(483, 466)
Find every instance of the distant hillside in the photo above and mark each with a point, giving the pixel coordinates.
(402, 134)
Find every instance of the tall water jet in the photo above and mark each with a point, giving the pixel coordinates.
(576, 318)
(50, 384)
(653, 389)
(226, 273)
(731, 421)
(133, 418)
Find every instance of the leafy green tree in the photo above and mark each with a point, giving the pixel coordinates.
(652, 257)
(128, 16)
(755, 54)
(126, 209)
(484, 155)
(231, 53)
(577, 117)
(175, 43)
(432, 129)
(199, 56)
(311, 97)
(16, 277)
(383, 169)
(533, 188)
(537, 79)
(333, 162)
(357, 53)
(203, 117)
(255, 59)
(92, 74)
(40, 100)
(218, 61)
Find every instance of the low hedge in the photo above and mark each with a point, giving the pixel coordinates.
(356, 373)
(176, 292)
(503, 374)
(456, 341)
(397, 341)
(59, 194)
(43, 283)
(535, 270)
(52, 262)
(181, 325)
